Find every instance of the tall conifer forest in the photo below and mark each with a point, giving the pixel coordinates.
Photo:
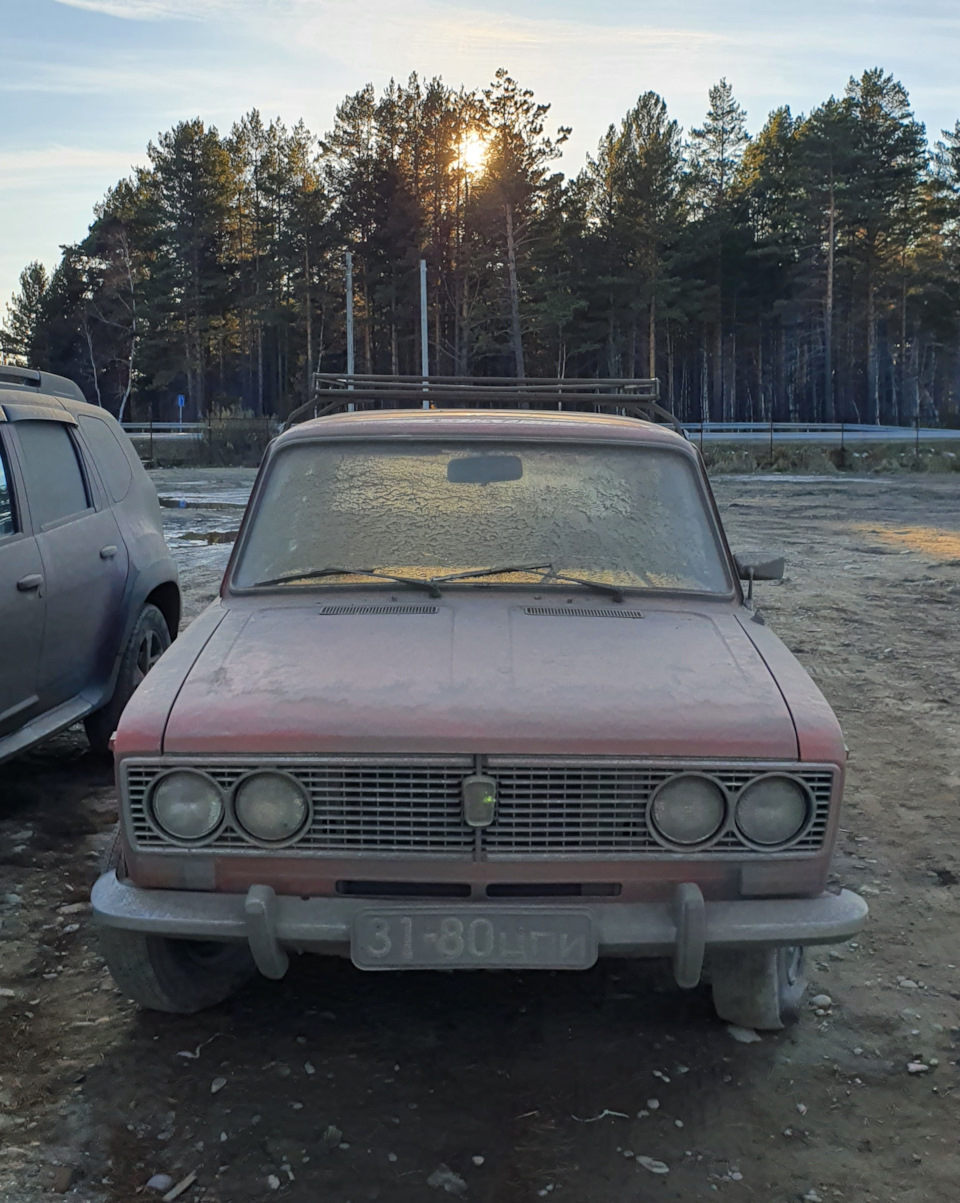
(807, 272)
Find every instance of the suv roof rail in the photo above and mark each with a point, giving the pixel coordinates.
(30, 380)
(335, 391)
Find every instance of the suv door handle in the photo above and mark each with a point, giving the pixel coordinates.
(107, 553)
(27, 584)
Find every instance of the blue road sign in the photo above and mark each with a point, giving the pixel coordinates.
(181, 400)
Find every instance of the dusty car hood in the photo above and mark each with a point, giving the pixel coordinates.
(481, 676)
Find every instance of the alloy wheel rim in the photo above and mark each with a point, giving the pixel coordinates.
(148, 654)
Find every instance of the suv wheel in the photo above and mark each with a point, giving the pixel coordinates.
(761, 988)
(148, 640)
(177, 976)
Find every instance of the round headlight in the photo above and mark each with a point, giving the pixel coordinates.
(270, 807)
(772, 810)
(688, 809)
(186, 805)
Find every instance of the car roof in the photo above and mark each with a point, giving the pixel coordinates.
(548, 425)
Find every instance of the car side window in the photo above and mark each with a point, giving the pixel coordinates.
(51, 468)
(8, 521)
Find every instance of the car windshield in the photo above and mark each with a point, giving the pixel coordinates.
(633, 517)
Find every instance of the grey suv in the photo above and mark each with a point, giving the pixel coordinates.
(89, 598)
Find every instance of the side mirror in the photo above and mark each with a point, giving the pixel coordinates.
(756, 567)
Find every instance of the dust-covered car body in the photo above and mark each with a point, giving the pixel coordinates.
(506, 769)
(89, 597)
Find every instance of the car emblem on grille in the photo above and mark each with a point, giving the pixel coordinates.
(479, 801)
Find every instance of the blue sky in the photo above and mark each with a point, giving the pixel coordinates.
(84, 84)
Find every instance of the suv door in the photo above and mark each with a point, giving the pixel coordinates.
(21, 605)
(84, 562)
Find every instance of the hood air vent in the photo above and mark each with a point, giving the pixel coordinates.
(336, 611)
(578, 612)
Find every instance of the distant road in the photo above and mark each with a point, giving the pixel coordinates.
(713, 432)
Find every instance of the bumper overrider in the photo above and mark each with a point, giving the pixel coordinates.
(686, 928)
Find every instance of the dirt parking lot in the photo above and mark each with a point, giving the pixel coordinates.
(344, 1087)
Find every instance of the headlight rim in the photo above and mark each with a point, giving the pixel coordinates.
(783, 845)
(257, 840)
(179, 840)
(708, 841)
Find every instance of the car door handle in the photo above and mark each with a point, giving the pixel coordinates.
(107, 553)
(27, 584)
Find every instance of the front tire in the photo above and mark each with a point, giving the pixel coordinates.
(761, 988)
(176, 976)
(148, 640)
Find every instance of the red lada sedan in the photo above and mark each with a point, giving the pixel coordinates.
(481, 690)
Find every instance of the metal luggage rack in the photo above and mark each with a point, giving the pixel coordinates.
(334, 392)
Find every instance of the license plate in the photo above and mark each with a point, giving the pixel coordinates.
(468, 938)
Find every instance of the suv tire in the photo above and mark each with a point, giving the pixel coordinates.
(148, 640)
(176, 976)
(761, 988)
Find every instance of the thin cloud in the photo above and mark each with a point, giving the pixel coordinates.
(151, 10)
(128, 75)
(25, 169)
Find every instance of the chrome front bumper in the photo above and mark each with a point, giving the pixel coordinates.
(685, 929)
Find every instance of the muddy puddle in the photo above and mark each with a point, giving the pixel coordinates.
(208, 537)
(216, 499)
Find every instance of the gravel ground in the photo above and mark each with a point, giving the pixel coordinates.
(340, 1086)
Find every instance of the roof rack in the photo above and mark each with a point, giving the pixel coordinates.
(333, 392)
(29, 380)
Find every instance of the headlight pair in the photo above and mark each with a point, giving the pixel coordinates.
(189, 805)
(691, 809)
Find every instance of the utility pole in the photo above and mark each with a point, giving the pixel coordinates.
(349, 313)
(424, 346)
(350, 324)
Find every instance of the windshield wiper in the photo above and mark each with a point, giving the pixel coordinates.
(610, 590)
(502, 570)
(547, 569)
(318, 573)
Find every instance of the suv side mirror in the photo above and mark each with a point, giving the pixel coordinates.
(758, 567)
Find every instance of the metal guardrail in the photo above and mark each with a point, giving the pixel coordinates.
(164, 427)
(714, 432)
(830, 433)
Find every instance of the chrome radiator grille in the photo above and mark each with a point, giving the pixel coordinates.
(393, 808)
(413, 808)
(596, 810)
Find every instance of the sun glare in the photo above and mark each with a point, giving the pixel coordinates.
(473, 152)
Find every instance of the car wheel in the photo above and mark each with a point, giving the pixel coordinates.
(761, 988)
(177, 976)
(148, 640)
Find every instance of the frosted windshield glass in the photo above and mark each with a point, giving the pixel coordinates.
(631, 517)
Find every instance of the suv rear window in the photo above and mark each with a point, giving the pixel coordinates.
(55, 484)
(632, 517)
(109, 456)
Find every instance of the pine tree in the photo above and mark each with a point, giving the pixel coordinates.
(507, 196)
(24, 335)
(189, 195)
(716, 150)
(889, 159)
